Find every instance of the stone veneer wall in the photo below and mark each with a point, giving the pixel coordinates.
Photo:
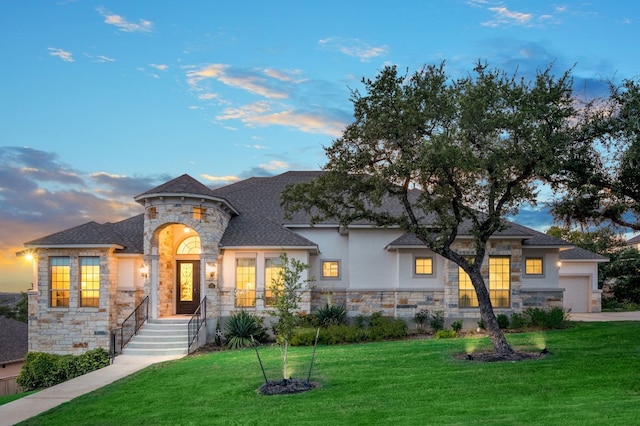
(159, 241)
(73, 329)
(166, 285)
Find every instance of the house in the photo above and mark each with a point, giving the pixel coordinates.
(221, 246)
(634, 242)
(13, 351)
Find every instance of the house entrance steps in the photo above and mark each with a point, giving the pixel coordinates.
(164, 336)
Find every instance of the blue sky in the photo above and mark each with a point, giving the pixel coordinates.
(102, 100)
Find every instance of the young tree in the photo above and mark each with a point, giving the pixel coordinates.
(602, 184)
(287, 289)
(440, 157)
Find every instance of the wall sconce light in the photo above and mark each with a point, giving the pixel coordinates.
(212, 270)
(559, 264)
(144, 271)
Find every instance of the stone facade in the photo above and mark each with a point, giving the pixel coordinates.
(73, 329)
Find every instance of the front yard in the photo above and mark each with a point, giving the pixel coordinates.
(590, 377)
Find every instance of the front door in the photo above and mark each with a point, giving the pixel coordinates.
(188, 286)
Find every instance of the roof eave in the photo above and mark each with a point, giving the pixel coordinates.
(312, 249)
(142, 197)
(73, 246)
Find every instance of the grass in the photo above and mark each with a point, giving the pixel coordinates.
(591, 377)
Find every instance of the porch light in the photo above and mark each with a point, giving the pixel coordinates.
(212, 270)
(144, 271)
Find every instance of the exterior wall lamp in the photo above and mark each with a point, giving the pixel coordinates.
(144, 271)
(212, 271)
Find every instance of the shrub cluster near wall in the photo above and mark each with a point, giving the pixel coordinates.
(366, 328)
(42, 369)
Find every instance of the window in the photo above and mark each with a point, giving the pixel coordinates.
(330, 269)
(245, 282)
(467, 297)
(152, 212)
(272, 276)
(500, 281)
(89, 281)
(533, 266)
(423, 266)
(60, 282)
(190, 245)
(199, 213)
(499, 284)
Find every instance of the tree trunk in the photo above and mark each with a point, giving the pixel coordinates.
(285, 345)
(494, 331)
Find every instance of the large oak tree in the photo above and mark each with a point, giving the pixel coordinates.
(602, 184)
(454, 155)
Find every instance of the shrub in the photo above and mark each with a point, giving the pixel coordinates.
(556, 318)
(39, 371)
(457, 325)
(383, 328)
(331, 315)
(42, 370)
(446, 334)
(537, 316)
(481, 325)
(240, 327)
(91, 360)
(337, 334)
(503, 321)
(518, 320)
(437, 320)
(420, 318)
(304, 336)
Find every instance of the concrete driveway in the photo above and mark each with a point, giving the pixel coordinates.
(605, 316)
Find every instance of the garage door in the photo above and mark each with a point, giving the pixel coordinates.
(577, 293)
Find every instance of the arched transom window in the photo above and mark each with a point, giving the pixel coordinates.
(190, 245)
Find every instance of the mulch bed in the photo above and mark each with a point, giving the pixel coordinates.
(286, 386)
(494, 357)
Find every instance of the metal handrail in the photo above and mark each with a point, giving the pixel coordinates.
(198, 318)
(130, 326)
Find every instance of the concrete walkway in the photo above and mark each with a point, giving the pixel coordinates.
(39, 402)
(606, 316)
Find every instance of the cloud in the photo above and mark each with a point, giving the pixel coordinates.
(62, 54)
(143, 26)
(253, 81)
(220, 180)
(159, 67)
(353, 47)
(40, 195)
(99, 58)
(275, 165)
(306, 122)
(504, 16)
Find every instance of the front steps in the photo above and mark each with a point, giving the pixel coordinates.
(160, 337)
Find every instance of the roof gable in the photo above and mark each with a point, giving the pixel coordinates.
(184, 184)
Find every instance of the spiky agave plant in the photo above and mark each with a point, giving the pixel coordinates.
(240, 327)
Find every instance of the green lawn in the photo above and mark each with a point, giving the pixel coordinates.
(591, 377)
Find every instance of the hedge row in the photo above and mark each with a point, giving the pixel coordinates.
(42, 369)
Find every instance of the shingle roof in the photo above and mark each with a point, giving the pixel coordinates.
(127, 234)
(13, 335)
(184, 184)
(578, 253)
(260, 221)
(634, 240)
(530, 237)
